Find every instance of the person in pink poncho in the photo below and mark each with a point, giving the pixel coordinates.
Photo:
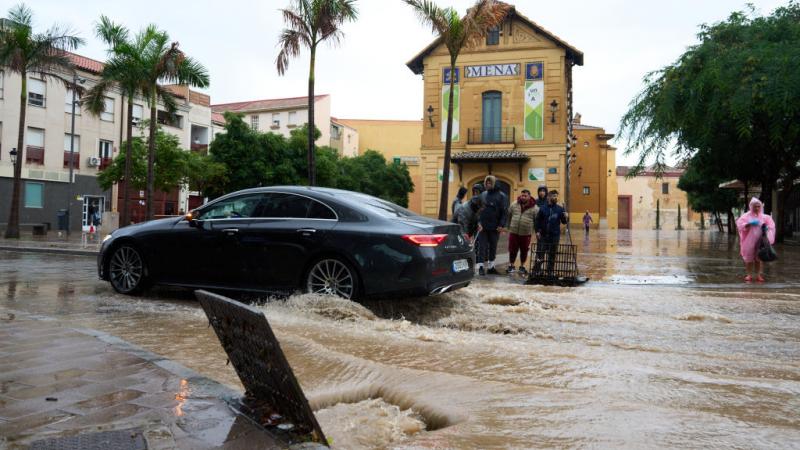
(750, 230)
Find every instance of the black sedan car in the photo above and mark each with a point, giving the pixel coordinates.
(285, 239)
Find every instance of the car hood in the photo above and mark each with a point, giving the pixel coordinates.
(144, 226)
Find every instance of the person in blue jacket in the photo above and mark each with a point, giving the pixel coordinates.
(492, 219)
(548, 232)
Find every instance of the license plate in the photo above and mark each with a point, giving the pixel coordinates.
(460, 265)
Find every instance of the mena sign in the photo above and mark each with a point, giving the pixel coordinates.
(492, 70)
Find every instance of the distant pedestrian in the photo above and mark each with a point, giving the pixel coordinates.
(548, 232)
(587, 219)
(751, 225)
(492, 219)
(458, 201)
(521, 216)
(541, 196)
(477, 189)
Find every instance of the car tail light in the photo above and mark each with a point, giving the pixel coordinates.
(425, 240)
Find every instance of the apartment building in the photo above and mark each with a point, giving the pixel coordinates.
(97, 139)
(282, 115)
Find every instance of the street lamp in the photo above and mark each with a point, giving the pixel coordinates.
(75, 80)
(13, 154)
(553, 110)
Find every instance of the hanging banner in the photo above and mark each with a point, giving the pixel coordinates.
(534, 101)
(456, 104)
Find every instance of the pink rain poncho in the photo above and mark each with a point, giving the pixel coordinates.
(749, 236)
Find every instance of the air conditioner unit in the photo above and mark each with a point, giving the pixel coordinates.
(93, 161)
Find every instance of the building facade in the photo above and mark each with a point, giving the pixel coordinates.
(397, 140)
(97, 140)
(282, 115)
(643, 197)
(512, 110)
(593, 182)
(344, 138)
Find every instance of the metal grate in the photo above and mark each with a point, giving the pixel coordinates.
(273, 396)
(117, 440)
(554, 264)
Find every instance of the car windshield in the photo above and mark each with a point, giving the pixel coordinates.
(378, 206)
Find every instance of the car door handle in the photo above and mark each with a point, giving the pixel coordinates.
(306, 231)
(230, 231)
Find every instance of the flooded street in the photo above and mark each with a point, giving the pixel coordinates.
(664, 347)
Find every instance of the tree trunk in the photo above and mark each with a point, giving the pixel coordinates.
(448, 144)
(312, 157)
(151, 157)
(766, 195)
(731, 222)
(779, 215)
(719, 221)
(125, 216)
(12, 229)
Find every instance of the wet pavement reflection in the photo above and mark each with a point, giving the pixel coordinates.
(664, 347)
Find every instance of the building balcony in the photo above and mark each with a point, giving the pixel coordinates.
(76, 160)
(34, 155)
(104, 163)
(497, 135)
(200, 148)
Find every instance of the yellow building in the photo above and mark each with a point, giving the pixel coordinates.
(512, 111)
(593, 182)
(641, 196)
(397, 140)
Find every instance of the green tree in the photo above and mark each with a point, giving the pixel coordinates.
(24, 53)
(457, 33)
(732, 97)
(123, 69)
(174, 166)
(371, 174)
(163, 62)
(701, 184)
(251, 159)
(310, 23)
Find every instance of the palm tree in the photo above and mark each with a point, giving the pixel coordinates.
(310, 23)
(163, 62)
(457, 33)
(24, 52)
(123, 69)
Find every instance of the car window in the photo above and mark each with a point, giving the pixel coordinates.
(232, 208)
(378, 206)
(283, 206)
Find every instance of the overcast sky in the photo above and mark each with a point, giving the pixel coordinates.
(236, 40)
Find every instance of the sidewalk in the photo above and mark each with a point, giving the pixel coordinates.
(75, 244)
(84, 386)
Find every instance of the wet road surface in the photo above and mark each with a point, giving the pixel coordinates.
(665, 347)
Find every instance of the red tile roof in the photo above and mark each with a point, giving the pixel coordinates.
(218, 118)
(267, 104)
(84, 63)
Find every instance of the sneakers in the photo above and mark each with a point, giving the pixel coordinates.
(748, 279)
(522, 271)
(481, 271)
(492, 271)
(510, 269)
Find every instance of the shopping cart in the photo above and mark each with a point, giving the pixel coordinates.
(555, 264)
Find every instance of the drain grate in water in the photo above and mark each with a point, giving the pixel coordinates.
(117, 440)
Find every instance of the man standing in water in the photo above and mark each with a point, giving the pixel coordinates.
(548, 232)
(520, 228)
(491, 222)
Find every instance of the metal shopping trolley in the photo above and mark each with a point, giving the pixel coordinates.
(555, 264)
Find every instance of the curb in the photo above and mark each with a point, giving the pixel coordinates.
(50, 250)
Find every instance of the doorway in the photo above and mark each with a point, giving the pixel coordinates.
(492, 115)
(624, 212)
(92, 212)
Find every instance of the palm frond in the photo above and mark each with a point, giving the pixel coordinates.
(289, 43)
(429, 13)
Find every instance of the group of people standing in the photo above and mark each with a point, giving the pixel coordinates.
(485, 217)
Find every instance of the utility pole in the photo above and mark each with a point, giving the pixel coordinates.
(70, 193)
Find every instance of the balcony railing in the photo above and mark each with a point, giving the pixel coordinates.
(497, 135)
(104, 163)
(76, 160)
(34, 155)
(200, 148)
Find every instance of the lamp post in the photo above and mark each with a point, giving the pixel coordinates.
(553, 110)
(75, 80)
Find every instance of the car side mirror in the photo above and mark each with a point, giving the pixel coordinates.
(191, 220)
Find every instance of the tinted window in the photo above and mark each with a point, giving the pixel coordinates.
(232, 208)
(284, 206)
(378, 206)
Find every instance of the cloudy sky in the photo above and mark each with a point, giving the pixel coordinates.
(236, 40)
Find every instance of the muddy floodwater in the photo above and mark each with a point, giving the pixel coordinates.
(664, 347)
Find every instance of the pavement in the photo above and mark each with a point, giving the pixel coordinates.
(87, 244)
(62, 386)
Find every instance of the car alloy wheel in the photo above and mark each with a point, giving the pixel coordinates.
(126, 270)
(331, 277)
